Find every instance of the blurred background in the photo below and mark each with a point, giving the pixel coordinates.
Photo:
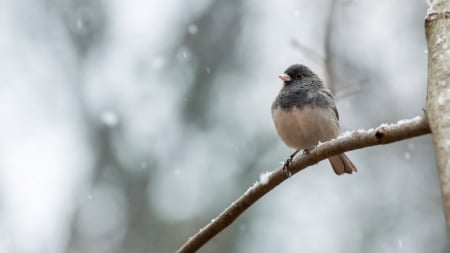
(128, 125)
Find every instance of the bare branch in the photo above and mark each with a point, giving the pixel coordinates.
(329, 78)
(349, 90)
(384, 134)
(327, 59)
(309, 52)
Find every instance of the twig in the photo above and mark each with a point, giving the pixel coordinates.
(383, 134)
(309, 52)
(351, 89)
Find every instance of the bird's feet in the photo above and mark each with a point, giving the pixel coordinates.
(288, 162)
(286, 167)
(307, 150)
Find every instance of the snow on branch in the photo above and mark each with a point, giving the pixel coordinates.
(384, 134)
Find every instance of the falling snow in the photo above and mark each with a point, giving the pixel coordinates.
(192, 29)
(80, 24)
(110, 118)
(407, 156)
(184, 54)
(400, 244)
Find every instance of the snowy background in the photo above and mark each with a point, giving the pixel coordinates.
(128, 125)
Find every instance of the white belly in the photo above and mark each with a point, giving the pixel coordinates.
(304, 128)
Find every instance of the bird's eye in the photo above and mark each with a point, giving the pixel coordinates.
(299, 76)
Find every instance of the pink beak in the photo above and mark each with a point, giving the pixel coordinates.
(285, 77)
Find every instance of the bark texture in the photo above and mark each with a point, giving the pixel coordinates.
(437, 28)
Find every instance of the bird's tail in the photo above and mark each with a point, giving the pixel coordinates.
(341, 164)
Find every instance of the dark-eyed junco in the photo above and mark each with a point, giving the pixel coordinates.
(305, 113)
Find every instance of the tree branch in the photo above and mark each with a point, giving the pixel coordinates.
(383, 134)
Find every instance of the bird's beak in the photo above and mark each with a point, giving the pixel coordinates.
(285, 77)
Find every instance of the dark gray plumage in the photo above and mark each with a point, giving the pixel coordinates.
(305, 113)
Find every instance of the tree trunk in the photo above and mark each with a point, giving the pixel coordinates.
(437, 28)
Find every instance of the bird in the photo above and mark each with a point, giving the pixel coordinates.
(304, 113)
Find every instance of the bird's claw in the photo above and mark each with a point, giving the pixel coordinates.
(286, 166)
(306, 151)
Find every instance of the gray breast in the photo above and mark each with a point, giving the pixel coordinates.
(304, 127)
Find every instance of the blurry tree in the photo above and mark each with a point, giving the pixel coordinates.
(216, 33)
